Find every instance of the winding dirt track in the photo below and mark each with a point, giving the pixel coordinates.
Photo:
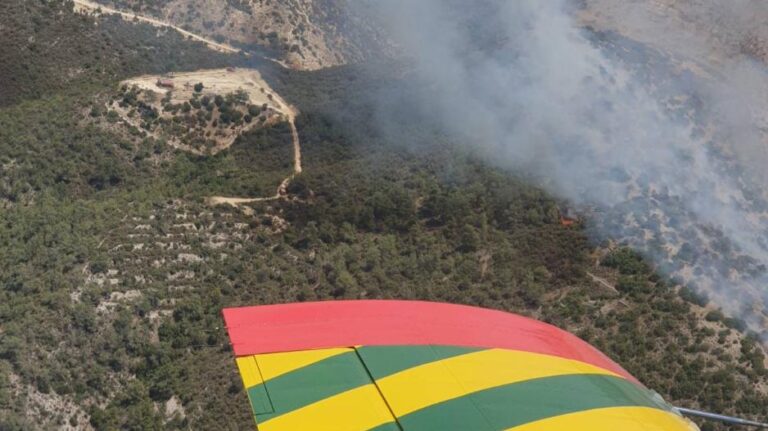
(89, 6)
(603, 282)
(296, 147)
(282, 189)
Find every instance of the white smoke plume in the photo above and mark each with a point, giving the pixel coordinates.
(668, 148)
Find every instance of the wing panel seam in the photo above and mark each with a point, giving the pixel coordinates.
(378, 389)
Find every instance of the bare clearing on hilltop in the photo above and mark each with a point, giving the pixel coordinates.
(204, 111)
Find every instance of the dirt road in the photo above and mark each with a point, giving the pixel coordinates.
(296, 148)
(282, 189)
(89, 6)
(603, 282)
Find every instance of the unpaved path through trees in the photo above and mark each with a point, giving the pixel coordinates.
(89, 6)
(603, 282)
(282, 189)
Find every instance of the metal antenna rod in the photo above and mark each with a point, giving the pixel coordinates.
(725, 419)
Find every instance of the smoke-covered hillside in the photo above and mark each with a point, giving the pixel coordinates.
(659, 139)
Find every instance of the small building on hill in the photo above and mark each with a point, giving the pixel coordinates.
(164, 83)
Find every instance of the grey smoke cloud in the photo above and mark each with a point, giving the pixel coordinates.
(673, 155)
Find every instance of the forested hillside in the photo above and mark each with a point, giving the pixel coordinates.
(113, 270)
(47, 48)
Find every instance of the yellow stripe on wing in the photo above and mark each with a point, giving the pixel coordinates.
(425, 385)
(612, 419)
(276, 364)
(358, 409)
(249, 371)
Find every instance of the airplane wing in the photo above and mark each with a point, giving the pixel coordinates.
(420, 366)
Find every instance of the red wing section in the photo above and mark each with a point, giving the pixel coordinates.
(315, 325)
